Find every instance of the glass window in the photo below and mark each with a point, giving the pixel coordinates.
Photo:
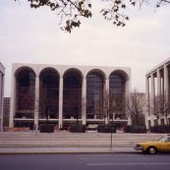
(94, 93)
(72, 94)
(117, 91)
(49, 93)
(25, 92)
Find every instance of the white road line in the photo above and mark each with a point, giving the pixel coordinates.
(123, 164)
(110, 158)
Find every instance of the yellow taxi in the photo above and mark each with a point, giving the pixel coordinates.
(161, 145)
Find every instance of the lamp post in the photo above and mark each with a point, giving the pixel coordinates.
(111, 137)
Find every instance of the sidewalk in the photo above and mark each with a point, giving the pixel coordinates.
(57, 143)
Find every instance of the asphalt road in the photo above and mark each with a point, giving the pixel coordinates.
(133, 161)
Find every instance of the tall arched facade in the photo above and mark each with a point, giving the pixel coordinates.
(66, 94)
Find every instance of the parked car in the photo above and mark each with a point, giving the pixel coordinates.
(161, 145)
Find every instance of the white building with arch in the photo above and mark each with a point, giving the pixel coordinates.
(66, 94)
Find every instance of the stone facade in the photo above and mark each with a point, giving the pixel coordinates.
(65, 94)
(2, 73)
(157, 87)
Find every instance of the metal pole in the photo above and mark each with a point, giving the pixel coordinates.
(111, 140)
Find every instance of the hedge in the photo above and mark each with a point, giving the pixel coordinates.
(106, 128)
(77, 128)
(47, 128)
(160, 129)
(135, 129)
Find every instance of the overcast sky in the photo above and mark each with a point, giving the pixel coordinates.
(33, 36)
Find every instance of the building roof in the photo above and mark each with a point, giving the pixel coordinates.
(161, 65)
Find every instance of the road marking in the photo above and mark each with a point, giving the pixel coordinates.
(109, 158)
(123, 164)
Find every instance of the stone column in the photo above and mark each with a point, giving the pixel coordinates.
(83, 101)
(12, 102)
(152, 87)
(36, 103)
(127, 95)
(147, 115)
(166, 87)
(127, 88)
(1, 99)
(60, 102)
(158, 82)
(106, 90)
(107, 85)
(152, 97)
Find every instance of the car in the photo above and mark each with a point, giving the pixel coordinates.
(153, 147)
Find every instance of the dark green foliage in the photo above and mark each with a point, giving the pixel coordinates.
(47, 128)
(160, 129)
(78, 128)
(106, 128)
(135, 129)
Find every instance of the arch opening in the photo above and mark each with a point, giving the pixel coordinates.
(117, 88)
(49, 94)
(95, 86)
(72, 87)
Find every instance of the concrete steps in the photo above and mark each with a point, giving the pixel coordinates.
(66, 139)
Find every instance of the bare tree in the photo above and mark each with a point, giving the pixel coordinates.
(161, 107)
(162, 2)
(80, 108)
(71, 12)
(134, 107)
(107, 106)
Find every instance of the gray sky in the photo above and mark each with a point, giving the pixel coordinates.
(33, 36)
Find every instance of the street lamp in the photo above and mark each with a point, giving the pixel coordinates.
(111, 137)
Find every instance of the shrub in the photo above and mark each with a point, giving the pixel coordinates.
(47, 128)
(106, 128)
(160, 129)
(78, 128)
(135, 129)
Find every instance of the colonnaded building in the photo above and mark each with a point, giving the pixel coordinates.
(157, 91)
(66, 94)
(2, 73)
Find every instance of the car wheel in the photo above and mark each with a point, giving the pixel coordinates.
(152, 150)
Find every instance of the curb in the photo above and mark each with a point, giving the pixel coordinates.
(67, 150)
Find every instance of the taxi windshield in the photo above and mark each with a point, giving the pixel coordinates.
(162, 139)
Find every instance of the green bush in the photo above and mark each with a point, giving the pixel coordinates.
(106, 128)
(135, 129)
(47, 128)
(78, 128)
(160, 129)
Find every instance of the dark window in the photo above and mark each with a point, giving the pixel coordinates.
(25, 92)
(94, 94)
(72, 94)
(117, 91)
(49, 93)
